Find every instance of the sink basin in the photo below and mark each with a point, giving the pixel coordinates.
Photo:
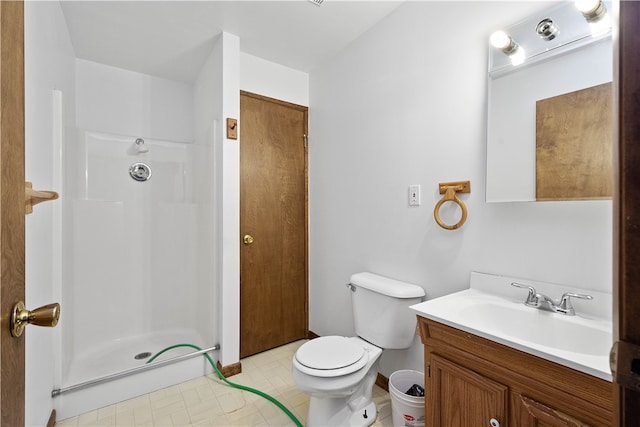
(567, 333)
(580, 342)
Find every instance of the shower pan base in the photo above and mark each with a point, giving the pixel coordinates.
(111, 361)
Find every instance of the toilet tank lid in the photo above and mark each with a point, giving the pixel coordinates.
(386, 286)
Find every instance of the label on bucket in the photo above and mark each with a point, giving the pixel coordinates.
(411, 421)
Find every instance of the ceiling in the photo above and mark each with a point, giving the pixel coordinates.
(172, 39)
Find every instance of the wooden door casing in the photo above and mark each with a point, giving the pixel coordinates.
(12, 211)
(273, 210)
(627, 201)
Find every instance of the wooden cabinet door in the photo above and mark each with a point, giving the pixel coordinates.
(536, 414)
(459, 397)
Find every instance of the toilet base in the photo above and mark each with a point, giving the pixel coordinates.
(342, 415)
(354, 410)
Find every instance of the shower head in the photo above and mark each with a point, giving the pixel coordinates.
(140, 147)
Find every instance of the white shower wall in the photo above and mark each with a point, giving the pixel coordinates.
(118, 101)
(49, 64)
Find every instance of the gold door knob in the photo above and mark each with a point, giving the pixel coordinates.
(248, 239)
(47, 315)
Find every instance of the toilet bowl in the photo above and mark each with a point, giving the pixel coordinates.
(338, 373)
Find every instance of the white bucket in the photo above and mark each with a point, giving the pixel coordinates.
(406, 411)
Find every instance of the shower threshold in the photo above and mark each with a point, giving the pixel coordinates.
(132, 371)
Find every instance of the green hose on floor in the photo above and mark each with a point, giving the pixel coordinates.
(239, 386)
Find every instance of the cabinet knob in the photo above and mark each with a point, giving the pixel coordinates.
(494, 423)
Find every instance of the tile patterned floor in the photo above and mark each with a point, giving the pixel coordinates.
(208, 401)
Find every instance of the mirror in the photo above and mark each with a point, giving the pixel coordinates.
(550, 112)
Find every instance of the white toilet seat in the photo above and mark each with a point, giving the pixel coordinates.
(330, 356)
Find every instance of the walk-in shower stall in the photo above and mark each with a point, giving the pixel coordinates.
(137, 265)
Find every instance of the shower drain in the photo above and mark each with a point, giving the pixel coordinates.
(142, 355)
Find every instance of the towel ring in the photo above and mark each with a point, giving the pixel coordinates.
(450, 191)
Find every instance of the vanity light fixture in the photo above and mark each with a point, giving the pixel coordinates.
(508, 46)
(547, 29)
(595, 12)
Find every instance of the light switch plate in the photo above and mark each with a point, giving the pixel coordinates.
(414, 195)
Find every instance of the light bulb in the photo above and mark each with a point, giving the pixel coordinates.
(586, 6)
(500, 39)
(508, 46)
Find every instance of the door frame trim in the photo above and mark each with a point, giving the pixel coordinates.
(626, 227)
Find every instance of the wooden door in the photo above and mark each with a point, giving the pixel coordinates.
(627, 205)
(12, 209)
(273, 223)
(459, 397)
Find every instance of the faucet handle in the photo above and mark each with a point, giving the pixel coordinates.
(565, 305)
(532, 297)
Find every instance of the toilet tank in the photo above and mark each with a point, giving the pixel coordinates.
(380, 309)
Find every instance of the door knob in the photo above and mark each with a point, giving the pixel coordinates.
(47, 315)
(248, 239)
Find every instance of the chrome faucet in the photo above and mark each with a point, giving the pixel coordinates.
(535, 299)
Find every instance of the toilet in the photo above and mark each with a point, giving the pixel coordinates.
(338, 373)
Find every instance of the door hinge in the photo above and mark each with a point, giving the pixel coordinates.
(305, 141)
(624, 361)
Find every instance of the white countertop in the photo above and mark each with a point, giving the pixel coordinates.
(581, 342)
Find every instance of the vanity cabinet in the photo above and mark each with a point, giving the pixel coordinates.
(462, 397)
(473, 381)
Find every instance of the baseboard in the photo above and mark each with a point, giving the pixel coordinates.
(312, 335)
(230, 370)
(382, 382)
(52, 419)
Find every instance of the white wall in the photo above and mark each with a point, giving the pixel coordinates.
(229, 209)
(125, 102)
(216, 97)
(406, 104)
(49, 65)
(273, 80)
